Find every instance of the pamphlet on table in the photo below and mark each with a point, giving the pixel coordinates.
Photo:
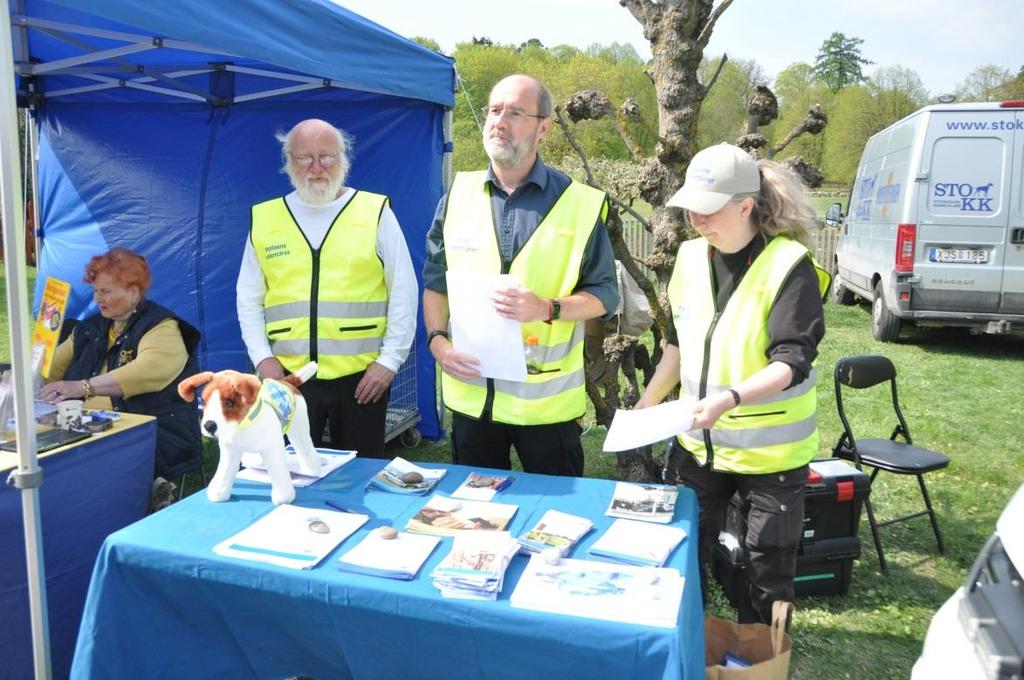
(291, 536)
(401, 476)
(399, 557)
(647, 502)
(641, 543)
(557, 530)
(442, 516)
(254, 470)
(639, 427)
(481, 487)
(475, 567)
(644, 595)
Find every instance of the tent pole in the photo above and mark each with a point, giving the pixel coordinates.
(32, 127)
(27, 476)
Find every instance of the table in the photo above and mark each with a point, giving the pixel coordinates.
(90, 489)
(162, 605)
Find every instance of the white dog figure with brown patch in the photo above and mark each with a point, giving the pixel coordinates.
(247, 415)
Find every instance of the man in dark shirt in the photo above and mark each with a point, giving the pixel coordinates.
(540, 222)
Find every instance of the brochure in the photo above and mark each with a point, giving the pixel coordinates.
(399, 558)
(481, 487)
(401, 476)
(291, 536)
(647, 502)
(475, 567)
(254, 470)
(442, 516)
(641, 543)
(644, 595)
(555, 530)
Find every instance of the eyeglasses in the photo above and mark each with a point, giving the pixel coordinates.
(514, 114)
(326, 159)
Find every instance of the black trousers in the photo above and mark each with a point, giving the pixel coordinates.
(359, 427)
(546, 449)
(773, 505)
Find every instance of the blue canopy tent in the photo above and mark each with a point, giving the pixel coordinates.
(156, 127)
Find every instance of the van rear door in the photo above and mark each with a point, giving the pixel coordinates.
(1012, 301)
(963, 214)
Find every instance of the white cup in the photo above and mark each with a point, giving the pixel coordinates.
(69, 414)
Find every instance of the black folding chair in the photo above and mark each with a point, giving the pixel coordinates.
(899, 457)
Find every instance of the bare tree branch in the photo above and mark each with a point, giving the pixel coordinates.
(636, 8)
(623, 206)
(718, 72)
(569, 137)
(635, 152)
(705, 33)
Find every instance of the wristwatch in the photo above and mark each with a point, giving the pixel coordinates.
(556, 309)
(434, 334)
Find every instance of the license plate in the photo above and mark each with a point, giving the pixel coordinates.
(958, 255)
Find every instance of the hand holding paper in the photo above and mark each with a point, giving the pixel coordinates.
(630, 429)
(479, 330)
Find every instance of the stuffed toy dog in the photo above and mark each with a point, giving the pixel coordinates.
(247, 415)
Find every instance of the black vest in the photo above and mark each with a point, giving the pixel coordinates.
(178, 441)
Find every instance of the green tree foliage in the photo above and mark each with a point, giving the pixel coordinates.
(723, 115)
(839, 61)
(429, 43)
(564, 70)
(987, 83)
(860, 111)
(616, 53)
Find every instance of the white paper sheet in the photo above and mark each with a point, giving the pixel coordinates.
(254, 470)
(630, 429)
(477, 328)
(286, 536)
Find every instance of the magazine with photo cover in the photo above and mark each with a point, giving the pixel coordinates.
(646, 502)
(401, 476)
(442, 516)
(481, 487)
(555, 530)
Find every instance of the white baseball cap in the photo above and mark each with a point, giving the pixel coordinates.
(714, 177)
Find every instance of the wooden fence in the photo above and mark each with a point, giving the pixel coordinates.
(640, 243)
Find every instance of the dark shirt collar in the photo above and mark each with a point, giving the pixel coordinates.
(538, 175)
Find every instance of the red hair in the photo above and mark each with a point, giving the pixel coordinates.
(127, 268)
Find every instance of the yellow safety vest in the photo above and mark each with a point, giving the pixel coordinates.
(549, 265)
(719, 350)
(327, 305)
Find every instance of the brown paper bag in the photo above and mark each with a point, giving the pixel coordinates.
(767, 648)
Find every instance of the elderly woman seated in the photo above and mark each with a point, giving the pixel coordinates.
(131, 357)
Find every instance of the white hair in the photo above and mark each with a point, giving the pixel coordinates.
(344, 151)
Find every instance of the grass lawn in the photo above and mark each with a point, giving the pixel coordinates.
(960, 396)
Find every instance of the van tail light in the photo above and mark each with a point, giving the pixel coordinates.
(1012, 104)
(906, 240)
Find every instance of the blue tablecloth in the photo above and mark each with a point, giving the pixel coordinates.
(90, 489)
(162, 605)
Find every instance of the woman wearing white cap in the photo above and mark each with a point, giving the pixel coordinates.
(747, 312)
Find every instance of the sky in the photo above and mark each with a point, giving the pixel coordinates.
(941, 40)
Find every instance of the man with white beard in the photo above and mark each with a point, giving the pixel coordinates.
(524, 218)
(326, 277)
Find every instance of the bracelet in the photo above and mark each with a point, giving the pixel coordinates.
(735, 396)
(434, 334)
(90, 391)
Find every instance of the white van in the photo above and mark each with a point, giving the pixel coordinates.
(934, 230)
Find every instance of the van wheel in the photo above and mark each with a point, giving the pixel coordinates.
(885, 326)
(841, 295)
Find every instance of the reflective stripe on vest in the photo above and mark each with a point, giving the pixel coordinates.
(549, 265)
(779, 432)
(327, 305)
